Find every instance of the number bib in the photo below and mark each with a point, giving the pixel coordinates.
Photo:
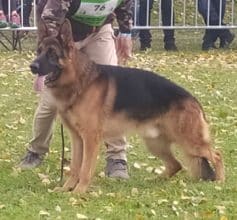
(95, 12)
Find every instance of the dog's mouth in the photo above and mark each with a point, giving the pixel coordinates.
(51, 78)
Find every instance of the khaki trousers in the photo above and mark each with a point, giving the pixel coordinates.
(100, 47)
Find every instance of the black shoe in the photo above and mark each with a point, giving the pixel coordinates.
(144, 47)
(209, 39)
(116, 168)
(227, 40)
(170, 46)
(208, 46)
(31, 160)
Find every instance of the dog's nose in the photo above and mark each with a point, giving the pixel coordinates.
(34, 67)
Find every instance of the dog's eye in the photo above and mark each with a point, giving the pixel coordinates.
(51, 54)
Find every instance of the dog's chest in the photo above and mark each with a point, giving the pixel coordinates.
(71, 119)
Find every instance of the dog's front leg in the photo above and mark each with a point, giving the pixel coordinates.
(90, 153)
(76, 160)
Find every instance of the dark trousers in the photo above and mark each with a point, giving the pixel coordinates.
(166, 15)
(214, 11)
(145, 35)
(4, 6)
(215, 18)
(27, 7)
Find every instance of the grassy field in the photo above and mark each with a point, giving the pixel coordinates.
(210, 76)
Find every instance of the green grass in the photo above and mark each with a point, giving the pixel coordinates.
(210, 76)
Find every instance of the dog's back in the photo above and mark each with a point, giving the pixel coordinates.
(143, 94)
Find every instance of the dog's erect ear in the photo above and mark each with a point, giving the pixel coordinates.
(65, 32)
(42, 30)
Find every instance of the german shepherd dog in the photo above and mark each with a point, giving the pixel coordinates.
(98, 102)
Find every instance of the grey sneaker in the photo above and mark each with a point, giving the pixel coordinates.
(116, 168)
(31, 160)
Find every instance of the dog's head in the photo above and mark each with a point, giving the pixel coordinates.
(52, 52)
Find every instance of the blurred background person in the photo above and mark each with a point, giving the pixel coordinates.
(5, 20)
(213, 15)
(166, 15)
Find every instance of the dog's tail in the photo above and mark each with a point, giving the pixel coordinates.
(192, 131)
(207, 173)
(200, 168)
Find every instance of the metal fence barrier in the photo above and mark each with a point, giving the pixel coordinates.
(10, 38)
(184, 14)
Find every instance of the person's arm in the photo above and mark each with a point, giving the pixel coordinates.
(124, 15)
(53, 13)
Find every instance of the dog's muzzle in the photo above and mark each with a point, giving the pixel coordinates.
(52, 72)
(34, 67)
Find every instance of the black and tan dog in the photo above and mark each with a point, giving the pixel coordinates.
(97, 102)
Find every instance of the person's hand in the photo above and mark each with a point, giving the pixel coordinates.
(39, 83)
(124, 47)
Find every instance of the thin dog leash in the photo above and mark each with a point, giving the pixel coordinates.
(63, 151)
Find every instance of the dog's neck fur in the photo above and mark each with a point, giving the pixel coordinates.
(85, 71)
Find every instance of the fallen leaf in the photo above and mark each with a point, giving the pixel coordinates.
(58, 208)
(101, 174)
(44, 178)
(2, 206)
(110, 194)
(137, 165)
(80, 216)
(153, 212)
(149, 169)
(44, 213)
(22, 121)
(158, 171)
(134, 191)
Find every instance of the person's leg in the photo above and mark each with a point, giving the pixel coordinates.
(1, 5)
(15, 20)
(13, 5)
(42, 132)
(3, 19)
(226, 37)
(145, 35)
(100, 47)
(135, 32)
(210, 35)
(27, 7)
(167, 15)
(209, 39)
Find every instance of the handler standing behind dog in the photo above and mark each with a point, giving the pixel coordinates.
(93, 34)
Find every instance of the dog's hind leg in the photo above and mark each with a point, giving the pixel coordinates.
(161, 147)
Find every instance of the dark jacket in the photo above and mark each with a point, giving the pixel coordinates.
(53, 12)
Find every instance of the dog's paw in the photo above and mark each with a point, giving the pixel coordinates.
(59, 189)
(80, 189)
(71, 183)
